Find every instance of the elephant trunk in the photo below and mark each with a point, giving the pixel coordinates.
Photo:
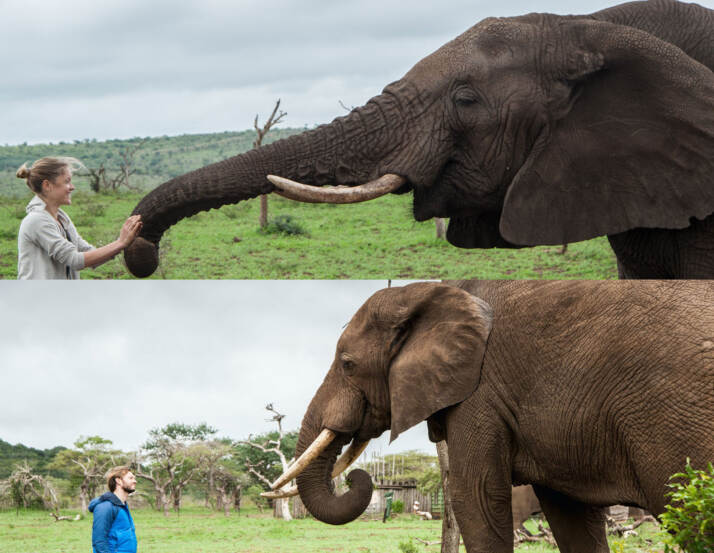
(347, 151)
(317, 491)
(341, 409)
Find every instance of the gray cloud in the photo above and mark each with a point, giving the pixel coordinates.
(116, 358)
(81, 69)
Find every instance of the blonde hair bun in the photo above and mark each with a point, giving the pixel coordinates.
(23, 172)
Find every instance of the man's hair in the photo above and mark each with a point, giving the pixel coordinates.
(116, 472)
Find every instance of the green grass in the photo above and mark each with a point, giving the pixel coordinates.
(198, 530)
(378, 239)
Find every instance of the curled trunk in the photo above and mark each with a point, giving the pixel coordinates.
(317, 489)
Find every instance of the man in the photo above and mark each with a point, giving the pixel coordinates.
(113, 528)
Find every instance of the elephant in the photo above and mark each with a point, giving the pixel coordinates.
(593, 392)
(530, 130)
(524, 504)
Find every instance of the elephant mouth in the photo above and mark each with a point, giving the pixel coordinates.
(355, 449)
(468, 228)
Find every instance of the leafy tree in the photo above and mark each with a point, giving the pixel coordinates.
(218, 470)
(169, 459)
(87, 464)
(229, 483)
(410, 464)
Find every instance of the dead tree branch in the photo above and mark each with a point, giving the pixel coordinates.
(270, 123)
(57, 517)
(345, 107)
(544, 534)
(625, 530)
(260, 134)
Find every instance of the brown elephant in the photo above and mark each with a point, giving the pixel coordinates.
(524, 504)
(539, 129)
(593, 392)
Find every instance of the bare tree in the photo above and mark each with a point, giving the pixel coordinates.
(260, 134)
(26, 488)
(449, 527)
(271, 446)
(101, 180)
(126, 166)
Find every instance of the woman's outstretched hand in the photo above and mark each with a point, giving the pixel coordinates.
(130, 229)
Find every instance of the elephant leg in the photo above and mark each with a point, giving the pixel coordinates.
(577, 527)
(480, 490)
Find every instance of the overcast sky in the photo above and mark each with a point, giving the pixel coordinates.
(122, 68)
(116, 359)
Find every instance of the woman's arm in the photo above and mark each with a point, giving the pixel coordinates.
(128, 232)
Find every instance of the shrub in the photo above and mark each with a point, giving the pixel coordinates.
(407, 547)
(284, 224)
(689, 518)
(398, 506)
(95, 210)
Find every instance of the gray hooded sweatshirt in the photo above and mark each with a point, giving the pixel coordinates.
(46, 251)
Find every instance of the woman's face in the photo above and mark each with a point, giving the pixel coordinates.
(59, 192)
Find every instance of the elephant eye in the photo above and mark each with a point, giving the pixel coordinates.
(348, 367)
(465, 97)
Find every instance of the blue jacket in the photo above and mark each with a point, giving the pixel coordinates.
(113, 528)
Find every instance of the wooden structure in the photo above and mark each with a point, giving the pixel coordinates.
(404, 491)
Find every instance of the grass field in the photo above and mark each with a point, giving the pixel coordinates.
(378, 239)
(198, 530)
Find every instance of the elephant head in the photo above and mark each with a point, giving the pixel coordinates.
(406, 354)
(538, 129)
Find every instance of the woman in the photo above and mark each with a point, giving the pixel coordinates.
(49, 247)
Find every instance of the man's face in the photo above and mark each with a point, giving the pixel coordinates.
(127, 482)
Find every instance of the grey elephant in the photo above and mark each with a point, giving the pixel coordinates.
(593, 392)
(539, 129)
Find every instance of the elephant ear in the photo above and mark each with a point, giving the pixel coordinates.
(634, 146)
(439, 363)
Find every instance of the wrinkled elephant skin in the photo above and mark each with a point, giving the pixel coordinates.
(538, 129)
(593, 392)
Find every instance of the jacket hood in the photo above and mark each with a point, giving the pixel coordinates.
(36, 204)
(109, 496)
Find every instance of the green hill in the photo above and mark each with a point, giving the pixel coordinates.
(157, 159)
(38, 458)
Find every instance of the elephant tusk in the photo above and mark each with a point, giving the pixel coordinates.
(346, 459)
(316, 447)
(336, 194)
(281, 494)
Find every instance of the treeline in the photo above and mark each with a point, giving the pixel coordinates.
(159, 158)
(10, 455)
(176, 462)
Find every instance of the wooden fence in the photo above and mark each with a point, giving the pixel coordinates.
(403, 490)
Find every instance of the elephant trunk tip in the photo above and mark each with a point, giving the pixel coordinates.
(141, 257)
(339, 510)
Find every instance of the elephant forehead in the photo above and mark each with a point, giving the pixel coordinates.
(475, 54)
